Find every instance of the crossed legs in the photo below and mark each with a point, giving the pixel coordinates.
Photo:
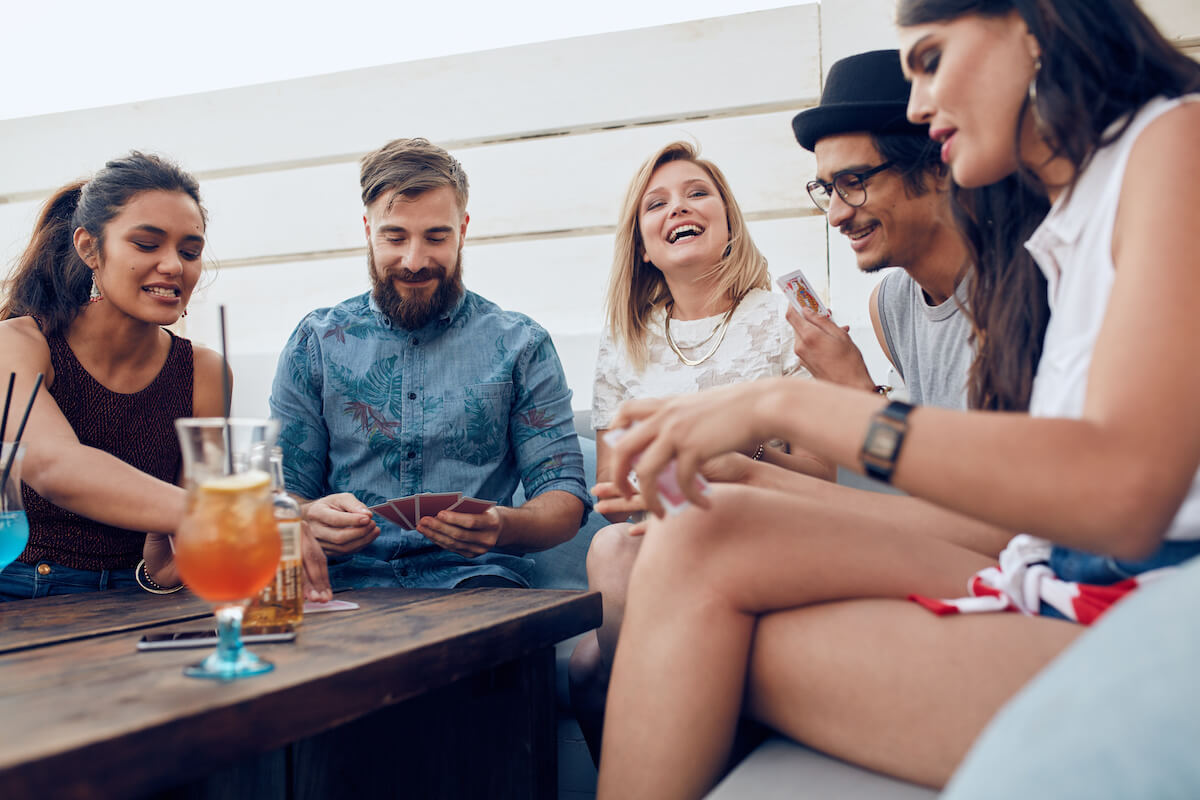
(737, 603)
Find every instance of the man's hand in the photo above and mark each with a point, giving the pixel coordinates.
(341, 524)
(827, 351)
(468, 535)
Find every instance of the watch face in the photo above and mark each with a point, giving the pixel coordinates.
(882, 442)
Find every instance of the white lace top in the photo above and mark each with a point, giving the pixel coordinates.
(758, 344)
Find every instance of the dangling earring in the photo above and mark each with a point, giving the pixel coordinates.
(95, 296)
(1038, 122)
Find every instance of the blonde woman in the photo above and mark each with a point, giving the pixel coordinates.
(689, 307)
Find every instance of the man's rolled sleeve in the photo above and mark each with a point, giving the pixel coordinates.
(296, 402)
(542, 425)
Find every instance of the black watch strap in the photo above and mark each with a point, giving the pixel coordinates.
(884, 438)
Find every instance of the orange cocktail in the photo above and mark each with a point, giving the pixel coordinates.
(228, 546)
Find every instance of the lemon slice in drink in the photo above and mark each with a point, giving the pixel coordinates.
(239, 482)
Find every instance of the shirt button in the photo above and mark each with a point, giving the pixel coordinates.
(43, 569)
(404, 572)
(411, 454)
(416, 341)
(412, 395)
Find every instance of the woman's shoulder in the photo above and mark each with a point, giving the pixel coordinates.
(205, 361)
(21, 335)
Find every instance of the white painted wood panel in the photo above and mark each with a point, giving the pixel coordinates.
(758, 61)
(523, 188)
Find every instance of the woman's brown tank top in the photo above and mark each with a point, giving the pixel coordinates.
(137, 428)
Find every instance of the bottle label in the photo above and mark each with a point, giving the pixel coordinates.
(289, 534)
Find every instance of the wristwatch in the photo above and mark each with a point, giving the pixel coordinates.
(881, 448)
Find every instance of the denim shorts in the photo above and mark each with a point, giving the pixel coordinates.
(1079, 566)
(20, 581)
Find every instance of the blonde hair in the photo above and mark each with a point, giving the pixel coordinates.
(636, 288)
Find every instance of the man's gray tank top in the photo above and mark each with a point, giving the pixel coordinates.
(929, 344)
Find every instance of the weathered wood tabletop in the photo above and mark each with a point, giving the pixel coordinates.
(87, 715)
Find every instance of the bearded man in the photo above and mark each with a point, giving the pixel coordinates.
(422, 386)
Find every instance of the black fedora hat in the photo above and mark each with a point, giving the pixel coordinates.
(865, 92)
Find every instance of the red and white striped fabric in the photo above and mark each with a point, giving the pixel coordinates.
(1024, 580)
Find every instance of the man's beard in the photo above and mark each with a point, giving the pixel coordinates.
(415, 311)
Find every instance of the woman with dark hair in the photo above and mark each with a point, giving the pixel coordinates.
(112, 261)
(1082, 103)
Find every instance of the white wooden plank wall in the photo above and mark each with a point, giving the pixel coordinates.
(549, 134)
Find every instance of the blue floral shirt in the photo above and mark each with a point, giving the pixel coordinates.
(475, 401)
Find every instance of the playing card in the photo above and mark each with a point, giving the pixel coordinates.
(669, 491)
(673, 499)
(472, 505)
(429, 504)
(406, 507)
(386, 511)
(313, 607)
(801, 294)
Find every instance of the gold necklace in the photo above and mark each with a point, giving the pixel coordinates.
(721, 328)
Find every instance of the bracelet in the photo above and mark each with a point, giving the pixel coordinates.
(142, 576)
(758, 454)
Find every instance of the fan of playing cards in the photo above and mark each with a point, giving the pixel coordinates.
(407, 511)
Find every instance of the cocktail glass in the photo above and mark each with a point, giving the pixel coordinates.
(14, 525)
(227, 547)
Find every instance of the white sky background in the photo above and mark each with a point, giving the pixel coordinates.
(62, 55)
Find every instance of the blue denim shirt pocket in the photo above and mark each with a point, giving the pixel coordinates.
(475, 422)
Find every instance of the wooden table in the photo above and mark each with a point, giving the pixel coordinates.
(419, 693)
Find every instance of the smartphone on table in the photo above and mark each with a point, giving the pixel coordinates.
(177, 640)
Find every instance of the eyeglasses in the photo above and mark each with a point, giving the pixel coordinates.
(850, 186)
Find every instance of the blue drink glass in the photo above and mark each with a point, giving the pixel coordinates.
(14, 525)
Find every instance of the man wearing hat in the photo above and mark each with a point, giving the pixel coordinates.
(882, 184)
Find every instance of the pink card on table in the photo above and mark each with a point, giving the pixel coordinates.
(313, 607)
(472, 505)
(429, 504)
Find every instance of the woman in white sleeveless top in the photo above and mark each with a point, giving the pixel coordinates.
(689, 307)
(745, 600)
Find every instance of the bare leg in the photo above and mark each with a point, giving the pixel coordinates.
(698, 586)
(609, 562)
(886, 684)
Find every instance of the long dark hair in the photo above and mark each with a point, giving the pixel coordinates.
(1100, 61)
(50, 280)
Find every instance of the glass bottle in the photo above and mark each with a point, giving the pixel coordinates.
(282, 601)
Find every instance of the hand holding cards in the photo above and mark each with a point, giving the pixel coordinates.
(801, 294)
(673, 498)
(408, 511)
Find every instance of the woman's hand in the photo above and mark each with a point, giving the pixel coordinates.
(612, 502)
(160, 560)
(689, 429)
(316, 569)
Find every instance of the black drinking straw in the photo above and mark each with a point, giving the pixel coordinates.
(226, 399)
(12, 377)
(20, 430)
